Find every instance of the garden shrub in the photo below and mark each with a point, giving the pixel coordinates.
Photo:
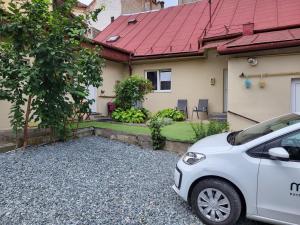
(155, 124)
(202, 130)
(215, 127)
(131, 115)
(199, 130)
(171, 113)
(130, 91)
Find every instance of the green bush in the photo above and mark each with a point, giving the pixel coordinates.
(130, 91)
(171, 113)
(131, 115)
(215, 127)
(155, 125)
(202, 130)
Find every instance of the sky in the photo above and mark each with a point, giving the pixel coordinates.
(169, 3)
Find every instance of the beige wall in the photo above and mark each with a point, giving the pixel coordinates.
(4, 113)
(257, 103)
(135, 6)
(190, 80)
(112, 73)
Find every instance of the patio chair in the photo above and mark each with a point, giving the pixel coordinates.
(182, 106)
(202, 107)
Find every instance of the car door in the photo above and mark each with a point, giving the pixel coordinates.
(278, 194)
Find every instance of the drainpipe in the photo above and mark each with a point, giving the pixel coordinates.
(130, 65)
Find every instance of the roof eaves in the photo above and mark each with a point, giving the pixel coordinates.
(113, 47)
(224, 50)
(201, 52)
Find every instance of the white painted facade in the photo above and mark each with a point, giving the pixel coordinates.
(113, 8)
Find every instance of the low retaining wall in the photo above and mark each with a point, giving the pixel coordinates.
(144, 141)
(36, 136)
(42, 136)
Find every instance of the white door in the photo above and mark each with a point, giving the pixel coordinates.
(278, 194)
(93, 95)
(296, 95)
(225, 90)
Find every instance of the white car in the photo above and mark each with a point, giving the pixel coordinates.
(253, 173)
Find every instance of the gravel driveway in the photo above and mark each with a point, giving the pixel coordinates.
(91, 181)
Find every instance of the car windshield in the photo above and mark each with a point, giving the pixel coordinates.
(264, 128)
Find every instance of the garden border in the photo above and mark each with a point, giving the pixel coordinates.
(42, 136)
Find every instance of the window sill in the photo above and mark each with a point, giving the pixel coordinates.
(162, 91)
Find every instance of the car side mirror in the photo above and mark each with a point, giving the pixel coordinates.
(279, 153)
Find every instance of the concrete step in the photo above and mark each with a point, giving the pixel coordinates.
(6, 147)
(218, 116)
(96, 116)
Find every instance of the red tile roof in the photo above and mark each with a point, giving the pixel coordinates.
(179, 29)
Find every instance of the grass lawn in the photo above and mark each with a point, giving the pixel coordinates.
(178, 131)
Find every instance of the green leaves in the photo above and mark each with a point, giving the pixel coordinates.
(131, 91)
(202, 130)
(129, 116)
(172, 114)
(155, 124)
(41, 56)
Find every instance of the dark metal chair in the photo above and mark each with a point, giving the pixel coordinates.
(182, 106)
(202, 107)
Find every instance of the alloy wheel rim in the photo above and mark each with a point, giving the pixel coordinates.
(214, 205)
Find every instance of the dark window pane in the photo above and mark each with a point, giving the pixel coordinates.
(165, 80)
(292, 145)
(152, 76)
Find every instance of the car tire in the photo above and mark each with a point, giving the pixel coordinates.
(216, 202)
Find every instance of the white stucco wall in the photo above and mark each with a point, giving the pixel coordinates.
(112, 9)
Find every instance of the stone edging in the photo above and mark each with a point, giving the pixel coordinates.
(144, 141)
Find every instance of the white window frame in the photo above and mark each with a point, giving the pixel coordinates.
(158, 79)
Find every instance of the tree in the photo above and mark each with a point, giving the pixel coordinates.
(44, 71)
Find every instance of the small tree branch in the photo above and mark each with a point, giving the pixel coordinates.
(28, 110)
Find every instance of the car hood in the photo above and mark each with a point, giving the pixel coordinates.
(212, 144)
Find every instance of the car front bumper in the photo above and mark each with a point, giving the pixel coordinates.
(184, 176)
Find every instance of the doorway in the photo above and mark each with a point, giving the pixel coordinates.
(295, 95)
(93, 96)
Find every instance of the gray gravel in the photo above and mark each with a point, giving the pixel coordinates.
(90, 181)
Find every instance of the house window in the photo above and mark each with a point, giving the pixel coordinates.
(160, 79)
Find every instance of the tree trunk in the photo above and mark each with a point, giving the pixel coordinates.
(26, 122)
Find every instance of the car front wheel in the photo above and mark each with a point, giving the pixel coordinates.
(216, 202)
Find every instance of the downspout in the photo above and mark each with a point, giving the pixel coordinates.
(130, 65)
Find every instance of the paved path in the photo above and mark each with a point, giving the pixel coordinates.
(91, 181)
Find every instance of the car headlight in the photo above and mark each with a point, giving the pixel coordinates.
(192, 158)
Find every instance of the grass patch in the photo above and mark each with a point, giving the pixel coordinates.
(117, 127)
(178, 131)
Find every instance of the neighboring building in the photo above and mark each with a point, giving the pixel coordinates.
(187, 1)
(136, 6)
(113, 9)
(244, 58)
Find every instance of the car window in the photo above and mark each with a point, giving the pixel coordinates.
(265, 128)
(291, 143)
